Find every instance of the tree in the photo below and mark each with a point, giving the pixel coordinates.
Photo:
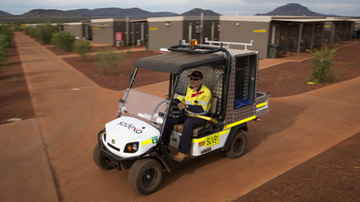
(82, 48)
(63, 40)
(108, 60)
(323, 66)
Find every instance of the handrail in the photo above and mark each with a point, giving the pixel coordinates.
(223, 43)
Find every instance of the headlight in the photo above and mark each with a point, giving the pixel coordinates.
(104, 136)
(131, 147)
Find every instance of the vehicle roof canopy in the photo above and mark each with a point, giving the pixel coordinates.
(176, 62)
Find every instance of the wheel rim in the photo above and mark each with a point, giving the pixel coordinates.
(238, 145)
(149, 178)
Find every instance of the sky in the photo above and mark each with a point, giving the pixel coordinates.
(224, 7)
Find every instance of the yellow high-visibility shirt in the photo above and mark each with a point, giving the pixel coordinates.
(201, 97)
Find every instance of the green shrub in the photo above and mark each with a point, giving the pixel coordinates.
(82, 48)
(42, 32)
(45, 32)
(3, 49)
(108, 60)
(323, 70)
(7, 32)
(63, 40)
(6, 36)
(19, 28)
(31, 31)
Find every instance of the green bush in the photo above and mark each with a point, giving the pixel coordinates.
(19, 29)
(42, 32)
(63, 40)
(6, 36)
(82, 48)
(108, 60)
(323, 70)
(3, 49)
(45, 32)
(31, 31)
(7, 32)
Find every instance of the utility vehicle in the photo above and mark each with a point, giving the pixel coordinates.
(134, 139)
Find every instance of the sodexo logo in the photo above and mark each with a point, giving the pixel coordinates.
(130, 126)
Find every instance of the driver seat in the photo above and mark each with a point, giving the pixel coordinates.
(213, 111)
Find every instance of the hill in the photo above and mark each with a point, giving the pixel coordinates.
(5, 14)
(82, 14)
(51, 13)
(119, 12)
(198, 11)
(293, 9)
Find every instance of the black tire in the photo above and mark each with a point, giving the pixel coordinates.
(145, 176)
(99, 159)
(238, 145)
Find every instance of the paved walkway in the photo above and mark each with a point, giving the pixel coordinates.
(49, 158)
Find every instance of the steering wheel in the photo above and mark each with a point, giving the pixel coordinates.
(174, 106)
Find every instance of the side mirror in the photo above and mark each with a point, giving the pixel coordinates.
(181, 88)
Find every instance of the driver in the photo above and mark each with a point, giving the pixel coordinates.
(195, 102)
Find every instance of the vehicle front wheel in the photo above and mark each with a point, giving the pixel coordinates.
(145, 176)
(99, 159)
(238, 145)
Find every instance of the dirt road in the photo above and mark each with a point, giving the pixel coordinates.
(70, 110)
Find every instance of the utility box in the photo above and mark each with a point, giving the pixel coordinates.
(273, 51)
(119, 38)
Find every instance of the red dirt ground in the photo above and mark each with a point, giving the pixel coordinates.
(331, 176)
(119, 79)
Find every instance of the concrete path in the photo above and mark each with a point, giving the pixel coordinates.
(71, 109)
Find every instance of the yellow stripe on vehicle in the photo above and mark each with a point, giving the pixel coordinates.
(261, 105)
(239, 122)
(203, 139)
(146, 142)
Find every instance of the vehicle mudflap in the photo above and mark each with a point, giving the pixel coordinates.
(232, 134)
(161, 159)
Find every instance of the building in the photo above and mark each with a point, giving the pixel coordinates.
(75, 28)
(119, 31)
(277, 35)
(168, 31)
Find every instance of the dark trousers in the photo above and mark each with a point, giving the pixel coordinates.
(190, 123)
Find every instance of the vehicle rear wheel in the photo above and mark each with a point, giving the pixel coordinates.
(99, 159)
(238, 145)
(145, 176)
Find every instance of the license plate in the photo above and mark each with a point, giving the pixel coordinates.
(212, 140)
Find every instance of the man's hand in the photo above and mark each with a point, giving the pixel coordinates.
(182, 106)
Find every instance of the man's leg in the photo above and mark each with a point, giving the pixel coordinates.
(169, 126)
(189, 125)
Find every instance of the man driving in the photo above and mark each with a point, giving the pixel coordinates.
(195, 102)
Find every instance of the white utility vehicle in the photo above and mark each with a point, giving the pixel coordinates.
(134, 139)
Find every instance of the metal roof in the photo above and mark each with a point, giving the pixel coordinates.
(308, 20)
(176, 62)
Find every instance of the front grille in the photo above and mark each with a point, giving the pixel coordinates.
(112, 146)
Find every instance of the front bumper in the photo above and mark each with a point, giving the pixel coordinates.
(116, 161)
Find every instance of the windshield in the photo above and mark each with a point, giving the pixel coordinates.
(145, 106)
